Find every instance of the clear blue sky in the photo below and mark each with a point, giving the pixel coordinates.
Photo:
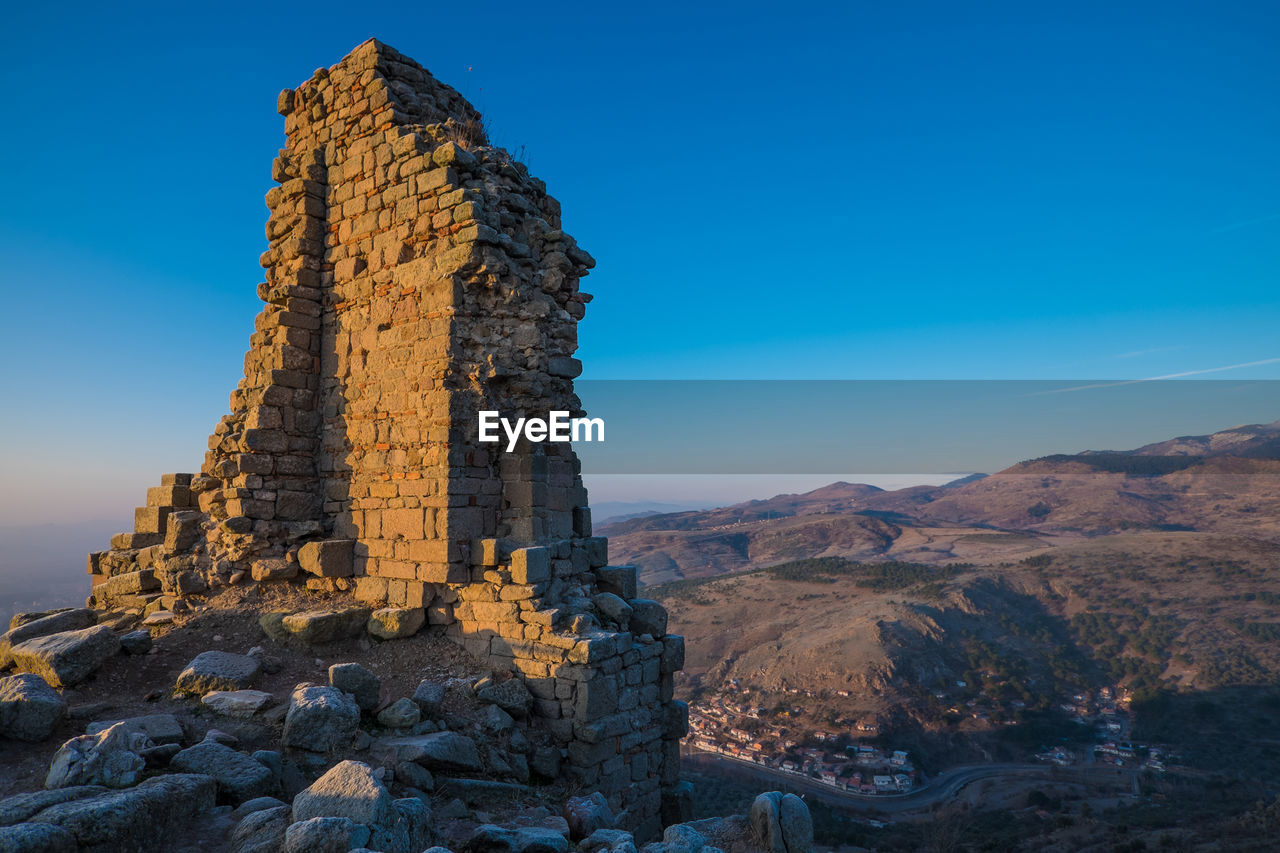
(844, 190)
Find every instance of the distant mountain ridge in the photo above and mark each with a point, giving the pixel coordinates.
(1226, 482)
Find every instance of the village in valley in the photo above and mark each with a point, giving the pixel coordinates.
(851, 756)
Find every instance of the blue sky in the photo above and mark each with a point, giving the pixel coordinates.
(844, 190)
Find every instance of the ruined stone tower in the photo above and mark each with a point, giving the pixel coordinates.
(415, 276)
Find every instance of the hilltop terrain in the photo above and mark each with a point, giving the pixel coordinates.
(1225, 483)
(1127, 598)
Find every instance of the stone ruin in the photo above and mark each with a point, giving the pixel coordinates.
(416, 275)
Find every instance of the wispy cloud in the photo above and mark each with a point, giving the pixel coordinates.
(1152, 351)
(1236, 226)
(1184, 374)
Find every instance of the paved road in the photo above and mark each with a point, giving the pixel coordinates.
(942, 788)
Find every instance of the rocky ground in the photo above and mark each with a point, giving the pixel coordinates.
(272, 719)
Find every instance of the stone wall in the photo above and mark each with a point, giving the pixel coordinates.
(415, 275)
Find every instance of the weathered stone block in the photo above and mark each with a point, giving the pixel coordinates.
(530, 565)
(331, 558)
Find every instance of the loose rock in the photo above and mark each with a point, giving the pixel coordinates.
(236, 703)
(320, 719)
(391, 623)
(29, 708)
(239, 777)
(214, 670)
(359, 682)
(68, 657)
(400, 714)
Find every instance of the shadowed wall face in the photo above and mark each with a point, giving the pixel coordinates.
(416, 276)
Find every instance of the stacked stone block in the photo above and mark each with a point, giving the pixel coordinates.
(415, 276)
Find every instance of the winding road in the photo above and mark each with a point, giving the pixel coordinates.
(941, 788)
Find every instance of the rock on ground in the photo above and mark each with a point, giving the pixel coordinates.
(239, 777)
(585, 815)
(111, 758)
(435, 751)
(236, 703)
(359, 682)
(392, 623)
(400, 714)
(261, 831)
(489, 838)
(318, 626)
(37, 838)
(29, 708)
(324, 835)
(510, 695)
(320, 719)
(348, 790)
(53, 623)
(140, 820)
(161, 728)
(67, 657)
(214, 670)
(781, 824)
(20, 807)
(429, 695)
(136, 642)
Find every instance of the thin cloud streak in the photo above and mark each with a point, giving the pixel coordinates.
(1236, 226)
(1181, 375)
(1152, 351)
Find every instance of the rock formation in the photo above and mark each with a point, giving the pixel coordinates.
(415, 276)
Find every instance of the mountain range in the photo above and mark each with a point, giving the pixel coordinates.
(1224, 483)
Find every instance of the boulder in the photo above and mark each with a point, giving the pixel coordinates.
(42, 625)
(765, 826)
(257, 804)
(615, 840)
(37, 838)
(324, 835)
(648, 617)
(160, 728)
(435, 751)
(510, 695)
(429, 696)
(67, 657)
(236, 703)
(29, 708)
(140, 820)
(586, 815)
(414, 776)
(392, 623)
(21, 807)
(112, 758)
(683, 839)
(136, 642)
(489, 838)
(320, 719)
(261, 831)
(362, 684)
(497, 720)
(239, 777)
(400, 714)
(210, 671)
(326, 626)
(349, 789)
(796, 824)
